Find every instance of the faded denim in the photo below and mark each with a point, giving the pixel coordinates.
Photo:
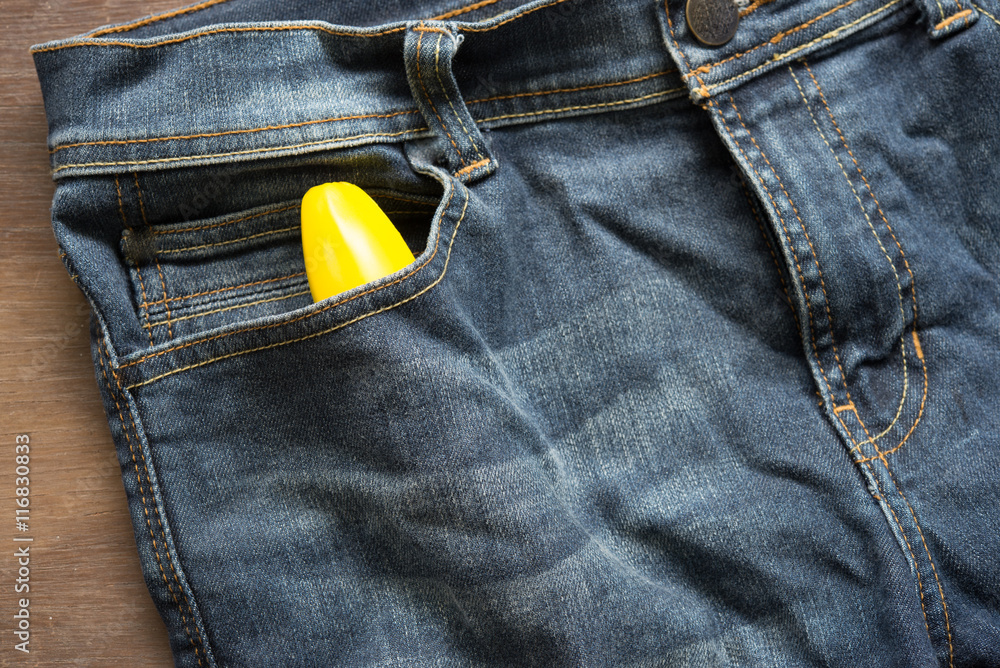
(698, 363)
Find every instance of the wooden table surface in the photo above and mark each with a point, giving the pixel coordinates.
(88, 604)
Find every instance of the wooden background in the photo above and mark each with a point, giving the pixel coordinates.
(88, 603)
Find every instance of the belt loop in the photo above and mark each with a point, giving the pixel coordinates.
(428, 52)
(945, 17)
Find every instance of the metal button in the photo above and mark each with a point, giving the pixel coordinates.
(713, 22)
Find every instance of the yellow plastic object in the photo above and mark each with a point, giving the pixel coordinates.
(347, 240)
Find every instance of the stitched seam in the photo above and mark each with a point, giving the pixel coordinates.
(307, 315)
(828, 36)
(770, 249)
(231, 287)
(159, 270)
(230, 308)
(270, 149)
(670, 25)
(513, 18)
(422, 28)
(229, 241)
(227, 222)
(705, 69)
(186, 38)
(788, 237)
(951, 19)
(430, 101)
(463, 10)
(582, 106)
(819, 271)
(899, 525)
(944, 605)
(885, 253)
(471, 168)
(331, 329)
(572, 90)
(352, 117)
(906, 263)
(203, 135)
(992, 18)
(158, 17)
(142, 496)
(461, 123)
(753, 6)
(138, 270)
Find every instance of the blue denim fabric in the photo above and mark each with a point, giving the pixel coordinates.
(698, 363)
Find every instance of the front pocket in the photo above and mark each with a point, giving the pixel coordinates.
(282, 325)
(198, 276)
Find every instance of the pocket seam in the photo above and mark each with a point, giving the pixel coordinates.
(283, 323)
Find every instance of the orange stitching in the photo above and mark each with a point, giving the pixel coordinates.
(232, 308)
(159, 17)
(702, 90)
(334, 328)
(227, 222)
(571, 90)
(463, 10)
(422, 28)
(186, 38)
(142, 496)
(444, 91)
(788, 237)
(581, 106)
(231, 287)
(944, 605)
(230, 132)
(163, 285)
(752, 6)
(951, 19)
(229, 241)
(885, 253)
(920, 583)
(704, 69)
(992, 18)
(473, 166)
(253, 151)
(906, 263)
(845, 407)
(138, 270)
(780, 57)
(430, 101)
(770, 249)
(494, 27)
(301, 317)
(822, 283)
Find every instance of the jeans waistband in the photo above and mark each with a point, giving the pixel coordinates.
(224, 81)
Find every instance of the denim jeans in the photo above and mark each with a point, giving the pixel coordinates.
(698, 363)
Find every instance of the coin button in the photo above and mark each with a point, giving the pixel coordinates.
(712, 22)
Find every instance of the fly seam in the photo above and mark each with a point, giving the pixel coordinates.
(770, 249)
(788, 237)
(885, 253)
(822, 283)
(142, 496)
(437, 71)
(159, 270)
(902, 254)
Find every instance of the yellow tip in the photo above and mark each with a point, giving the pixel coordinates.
(347, 240)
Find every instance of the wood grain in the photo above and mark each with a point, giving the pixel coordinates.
(88, 603)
